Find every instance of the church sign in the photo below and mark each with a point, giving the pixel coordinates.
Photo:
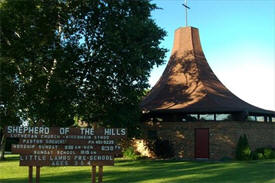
(63, 146)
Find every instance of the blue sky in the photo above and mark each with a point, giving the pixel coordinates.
(238, 40)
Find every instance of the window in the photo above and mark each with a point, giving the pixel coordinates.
(190, 117)
(251, 118)
(223, 117)
(260, 118)
(207, 117)
(159, 119)
(273, 119)
(194, 116)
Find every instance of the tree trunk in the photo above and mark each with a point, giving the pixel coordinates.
(2, 147)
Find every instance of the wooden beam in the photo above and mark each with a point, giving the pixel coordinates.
(37, 174)
(30, 174)
(100, 174)
(93, 174)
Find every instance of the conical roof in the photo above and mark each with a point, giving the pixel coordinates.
(189, 85)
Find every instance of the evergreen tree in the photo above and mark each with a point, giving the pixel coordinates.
(243, 151)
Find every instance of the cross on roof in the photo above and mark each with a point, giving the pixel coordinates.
(186, 7)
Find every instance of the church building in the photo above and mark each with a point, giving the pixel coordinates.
(192, 109)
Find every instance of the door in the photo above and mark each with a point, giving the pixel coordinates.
(202, 143)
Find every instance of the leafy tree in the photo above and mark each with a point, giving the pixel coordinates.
(39, 64)
(87, 58)
(120, 45)
(8, 102)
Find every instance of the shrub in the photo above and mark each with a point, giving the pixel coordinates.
(260, 156)
(243, 151)
(263, 153)
(129, 153)
(162, 148)
(267, 153)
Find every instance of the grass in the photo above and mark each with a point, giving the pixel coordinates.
(149, 171)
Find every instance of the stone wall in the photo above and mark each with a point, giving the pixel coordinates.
(223, 136)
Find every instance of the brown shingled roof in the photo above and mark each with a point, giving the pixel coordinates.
(189, 85)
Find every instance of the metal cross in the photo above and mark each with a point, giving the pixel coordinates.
(186, 7)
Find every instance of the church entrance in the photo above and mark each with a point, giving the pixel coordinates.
(202, 143)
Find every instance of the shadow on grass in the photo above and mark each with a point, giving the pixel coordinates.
(199, 172)
(151, 171)
(55, 177)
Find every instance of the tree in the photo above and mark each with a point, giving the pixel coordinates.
(8, 103)
(34, 87)
(86, 58)
(243, 150)
(120, 45)
(43, 68)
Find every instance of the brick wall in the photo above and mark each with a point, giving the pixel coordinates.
(223, 136)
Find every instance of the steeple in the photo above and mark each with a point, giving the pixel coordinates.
(188, 84)
(187, 39)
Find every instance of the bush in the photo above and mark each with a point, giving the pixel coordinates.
(243, 151)
(162, 148)
(267, 153)
(263, 153)
(129, 153)
(260, 156)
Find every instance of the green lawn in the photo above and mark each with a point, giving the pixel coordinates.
(149, 171)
